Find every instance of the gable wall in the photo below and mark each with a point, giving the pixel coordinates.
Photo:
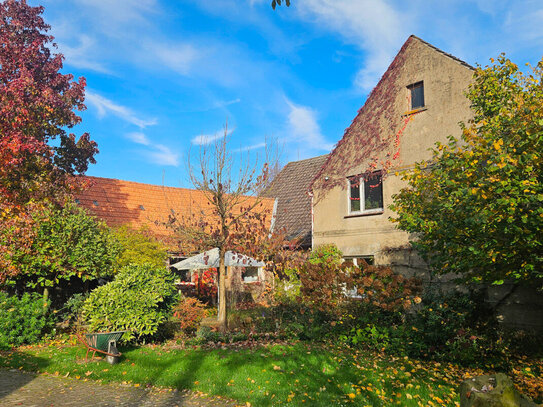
(445, 81)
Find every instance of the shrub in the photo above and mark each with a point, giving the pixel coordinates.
(72, 308)
(139, 247)
(23, 320)
(138, 300)
(188, 314)
(442, 323)
(326, 254)
(322, 278)
(206, 334)
(383, 288)
(206, 285)
(287, 288)
(68, 244)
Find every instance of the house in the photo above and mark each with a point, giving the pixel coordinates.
(419, 101)
(138, 205)
(290, 188)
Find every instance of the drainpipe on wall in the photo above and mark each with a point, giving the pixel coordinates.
(312, 216)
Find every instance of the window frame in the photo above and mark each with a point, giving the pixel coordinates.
(362, 195)
(410, 88)
(253, 279)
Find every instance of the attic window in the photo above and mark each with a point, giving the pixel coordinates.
(95, 203)
(142, 207)
(417, 95)
(77, 201)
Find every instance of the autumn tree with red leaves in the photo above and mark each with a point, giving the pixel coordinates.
(37, 104)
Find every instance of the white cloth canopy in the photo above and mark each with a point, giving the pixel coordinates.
(210, 259)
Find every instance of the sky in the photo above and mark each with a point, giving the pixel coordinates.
(164, 77)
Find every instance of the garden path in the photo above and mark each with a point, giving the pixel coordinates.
(25, 389)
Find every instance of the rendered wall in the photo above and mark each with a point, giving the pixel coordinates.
(445, 81)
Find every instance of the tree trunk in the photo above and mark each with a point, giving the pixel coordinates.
(45, 298)
(222, 318)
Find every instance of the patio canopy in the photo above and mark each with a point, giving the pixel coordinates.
(210, 259)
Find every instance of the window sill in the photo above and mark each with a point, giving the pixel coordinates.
(415, 111)
(360, 214)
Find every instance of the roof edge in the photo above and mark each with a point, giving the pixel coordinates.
(443, 52)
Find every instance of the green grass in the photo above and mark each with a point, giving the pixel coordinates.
(268, 376)
(296, 375)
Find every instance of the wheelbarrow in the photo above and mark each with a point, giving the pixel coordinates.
(102, 342)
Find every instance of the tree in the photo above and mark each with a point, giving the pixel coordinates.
(139, 247)
(477, 207)
(66, 243)
(37, 104)
(232, 219)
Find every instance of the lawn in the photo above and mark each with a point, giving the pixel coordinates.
(274, 375)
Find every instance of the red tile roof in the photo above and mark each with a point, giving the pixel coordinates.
(139, 205)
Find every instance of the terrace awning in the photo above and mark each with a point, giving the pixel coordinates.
(210, 259)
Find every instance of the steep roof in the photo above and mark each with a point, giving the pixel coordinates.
(291, 187)
(374, 107)
(139, 205)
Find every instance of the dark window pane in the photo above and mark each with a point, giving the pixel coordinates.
(373, 192)
(417, 95)
(355, 195)
(250, 274)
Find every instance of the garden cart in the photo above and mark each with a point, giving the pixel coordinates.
(102, 342)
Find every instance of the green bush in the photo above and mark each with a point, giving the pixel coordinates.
(442, 326)
(22, 320)
(139, 247)
(72, 308)
(138, 300)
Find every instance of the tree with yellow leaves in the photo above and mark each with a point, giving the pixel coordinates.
(476, 208)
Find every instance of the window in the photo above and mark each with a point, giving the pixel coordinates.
(250, 274)
(366, 193)
(359, 260)
(417, 95)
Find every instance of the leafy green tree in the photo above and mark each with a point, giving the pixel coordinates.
(67, 243)
(139, 247)
(477, 207)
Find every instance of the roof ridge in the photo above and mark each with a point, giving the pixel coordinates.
(138, 183)
(442, 52)
(306, 159)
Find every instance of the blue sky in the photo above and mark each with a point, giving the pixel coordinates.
(163, 76)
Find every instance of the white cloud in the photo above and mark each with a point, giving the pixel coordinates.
(163, 155)
(206, 139)
(138, 138)
(252, 147)
(219, 104)
(303, 126)
(372, 25)
(105, 106)
(178, 57)
(80, 55)
(156, 153)
(111, 13)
